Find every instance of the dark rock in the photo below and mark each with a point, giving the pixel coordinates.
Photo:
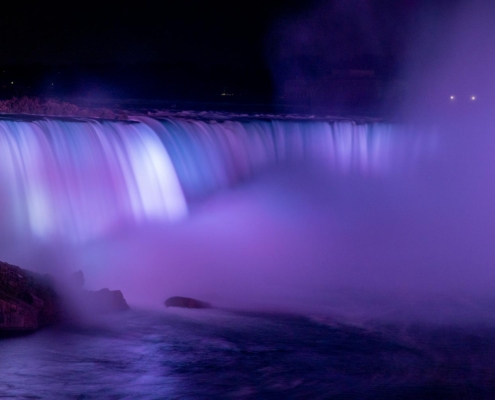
(104, 301)
(27, 300)
(185, 302)
(15, 314)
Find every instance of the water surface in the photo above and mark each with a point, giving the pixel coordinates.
(192, 354)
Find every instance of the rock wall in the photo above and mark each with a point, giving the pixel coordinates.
(28, 300)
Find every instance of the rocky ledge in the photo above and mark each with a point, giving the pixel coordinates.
(28, 300)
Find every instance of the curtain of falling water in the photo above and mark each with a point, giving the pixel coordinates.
(208, 155)
(74, 179)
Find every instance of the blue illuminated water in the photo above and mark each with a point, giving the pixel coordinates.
(189, 354)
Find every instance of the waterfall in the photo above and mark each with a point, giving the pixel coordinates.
(211, 154)
(75, 178)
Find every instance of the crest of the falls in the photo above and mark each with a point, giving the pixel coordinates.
(74, 179)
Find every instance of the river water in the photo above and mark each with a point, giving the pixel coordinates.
(198, 354)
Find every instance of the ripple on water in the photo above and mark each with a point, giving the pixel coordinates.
(243, 355)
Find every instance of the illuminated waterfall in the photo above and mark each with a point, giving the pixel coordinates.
(210, 154)
(75, 178)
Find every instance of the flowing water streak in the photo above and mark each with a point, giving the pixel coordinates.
(209, 155)
(75, 178)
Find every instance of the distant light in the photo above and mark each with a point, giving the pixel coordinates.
(11, 83)
(473, 98)
(452, 97)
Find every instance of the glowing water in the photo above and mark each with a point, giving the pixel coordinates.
(75, 178)
(208, 155)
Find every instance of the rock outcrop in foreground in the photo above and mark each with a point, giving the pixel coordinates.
(28, 300)
(185, 302)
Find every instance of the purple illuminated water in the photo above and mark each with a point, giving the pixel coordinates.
(112, 198)
(76, 179)
(189, 354)
(253, 211)
(73, 179)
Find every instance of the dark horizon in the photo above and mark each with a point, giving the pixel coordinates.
(212, 53)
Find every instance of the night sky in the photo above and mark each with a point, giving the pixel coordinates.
(199, 47)
(87, 32)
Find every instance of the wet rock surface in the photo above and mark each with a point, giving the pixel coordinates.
(185, 302)
(28, 300)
